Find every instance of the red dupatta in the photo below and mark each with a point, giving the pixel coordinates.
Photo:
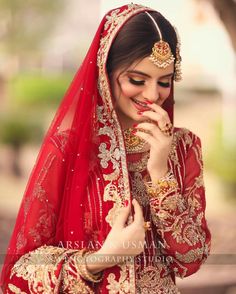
(86, 132)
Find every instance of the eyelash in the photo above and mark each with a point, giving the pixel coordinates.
(136, 83)
(141, 83)
(164, 85)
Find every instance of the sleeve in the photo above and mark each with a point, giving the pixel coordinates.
(179, 216)
(48, 269)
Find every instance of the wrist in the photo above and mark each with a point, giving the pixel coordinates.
(155, 175)
(80, 261)
(161, 187)
(98, 261)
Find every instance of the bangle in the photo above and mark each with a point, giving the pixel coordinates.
(82, 267)
(162, 186)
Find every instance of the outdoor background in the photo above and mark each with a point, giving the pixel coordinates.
(42, 45)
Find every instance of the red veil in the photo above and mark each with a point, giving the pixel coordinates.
(85, 135)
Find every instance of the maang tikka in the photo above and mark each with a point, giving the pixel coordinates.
(161, 53)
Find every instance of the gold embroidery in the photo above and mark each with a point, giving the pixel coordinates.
(20, 239)
(191, 256)
(113, 158)
(150, 282)
(133, 143)
(108, 155)
(182, 137)
(140, 165)
(38, 268)
(47, 217)
(15, 289)
(45, 225)
(60, 139)
(191, 234)
(162, 187)
(180, 212)
(138, 189)
(122, 286)
(116, 153)
(72, 282)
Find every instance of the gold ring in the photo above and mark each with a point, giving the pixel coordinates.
(167, 130)
(147, 226)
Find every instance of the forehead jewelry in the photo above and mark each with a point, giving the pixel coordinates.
(161, 53)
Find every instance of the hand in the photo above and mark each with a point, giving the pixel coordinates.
(160, 143)
(122, 241)
(126, 240)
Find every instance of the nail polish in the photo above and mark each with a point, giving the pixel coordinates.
(135, 125)
(140, 112)
(148, 102)
(134, 132)
(126, 203)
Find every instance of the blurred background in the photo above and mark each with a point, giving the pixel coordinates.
(42, 45)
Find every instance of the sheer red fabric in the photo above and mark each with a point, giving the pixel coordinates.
(68, 137)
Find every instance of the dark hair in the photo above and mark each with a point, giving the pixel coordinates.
(136, 39)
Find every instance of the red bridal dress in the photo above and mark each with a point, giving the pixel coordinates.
(83, 176)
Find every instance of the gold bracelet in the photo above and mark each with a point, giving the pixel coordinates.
(82, 267)
(162, 186)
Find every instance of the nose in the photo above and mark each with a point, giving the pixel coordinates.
(151, 92)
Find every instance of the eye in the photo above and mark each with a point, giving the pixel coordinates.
(164, 85)
(136, 82)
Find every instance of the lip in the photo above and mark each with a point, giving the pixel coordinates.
(139, 107)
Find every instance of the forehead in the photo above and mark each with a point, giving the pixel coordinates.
(146, 66)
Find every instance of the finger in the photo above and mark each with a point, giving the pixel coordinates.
(148, 125)
(138, 212)
(158, 109)
(151, 140)
(165, 125)
(122, 217)
(151, 128)
(155, 142)
(160, 120)
(155, 139)
(151, 115)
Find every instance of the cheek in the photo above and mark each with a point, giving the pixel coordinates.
(129, 90)
(165, 93)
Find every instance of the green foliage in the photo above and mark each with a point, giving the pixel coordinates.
(222, 159)
(27, 23)
(38, 91)
(17, 129)
(31, 99)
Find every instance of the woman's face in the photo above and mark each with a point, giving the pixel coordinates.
(140, 82)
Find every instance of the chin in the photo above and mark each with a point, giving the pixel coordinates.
(138, 118)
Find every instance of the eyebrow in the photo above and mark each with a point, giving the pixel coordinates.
(146, 75)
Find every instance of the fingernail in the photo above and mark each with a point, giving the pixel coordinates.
(135, 125)
(148, 102)
(126, 203)
(134, 132)
(140, 112)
